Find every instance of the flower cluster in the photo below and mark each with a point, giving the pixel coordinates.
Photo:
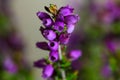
(57, 30)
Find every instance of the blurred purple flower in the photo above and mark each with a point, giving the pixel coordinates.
(106, 71)
(10, 66)
(47, 71)
(111, 46)
(75, 54)
(15, 41)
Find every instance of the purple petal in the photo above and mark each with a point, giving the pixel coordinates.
(71, 19)
(64, 38)
(60, 18)
(65, 11)
(49, 34)
(54, 56)
(75, 54)
(48, 22)
(40, 63)
(48, 71)
(53, 45)
(106, 71)
(10, 66)
(59, 26)
(70, 28)
(42, 45)
(42, 15)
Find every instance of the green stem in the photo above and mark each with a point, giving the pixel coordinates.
(62, 70)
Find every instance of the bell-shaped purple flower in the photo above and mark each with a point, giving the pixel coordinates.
(53, 45)
(42, 15)
(42, 45)
(48, 22)
(49, 34)
(46, 19)
(71, 19)
(64, 38)
(75, 54)
(59, 26)
(70, 28)
(54, 56)
(65, 11)
(40, 63)
(48, 71)
(10, 66)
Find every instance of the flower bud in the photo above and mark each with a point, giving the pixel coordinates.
(42, 15)
(47, 71)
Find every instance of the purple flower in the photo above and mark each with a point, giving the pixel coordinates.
(42, 45)
(111, 46)
(15, 41)
(40, 63)
(59, 26)
(60, 18)
(48, 22)
(70, 28)
(65, 11)
(54, 56)
(71, 19)
(49, 34)
(75, 54)
(53, 45)
(10, 66)
(47, 71)
(46, 19)
(64, 38)
(106, 71)
(42, 15)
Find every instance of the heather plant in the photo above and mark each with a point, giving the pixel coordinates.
(58, 27)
